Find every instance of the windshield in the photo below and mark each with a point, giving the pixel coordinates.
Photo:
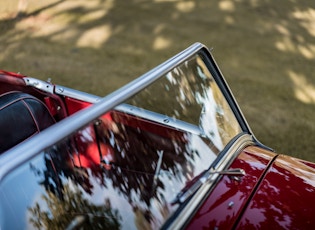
(123, 170)
(189, 93)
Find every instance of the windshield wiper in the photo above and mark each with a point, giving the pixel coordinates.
(196, 183)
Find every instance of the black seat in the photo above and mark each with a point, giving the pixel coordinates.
(21, 116)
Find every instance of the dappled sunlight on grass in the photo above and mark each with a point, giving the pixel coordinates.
(303, 89)
(296, 43)
(93, 16)
(307, 19)
(265, 49)
(161, 1)
(285, 44)
(64, 23)
(185, 7)
(229, 20)
(308, 51)
(161, 43)
(227, 5)
(86, 24)
(95, 37)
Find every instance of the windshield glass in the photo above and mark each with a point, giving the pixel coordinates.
(189, 93)
(123, 170)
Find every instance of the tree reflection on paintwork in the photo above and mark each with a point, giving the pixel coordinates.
(289, 183)
(216, 212)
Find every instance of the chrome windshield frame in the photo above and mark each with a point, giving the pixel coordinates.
(27, 150)
(12, 158)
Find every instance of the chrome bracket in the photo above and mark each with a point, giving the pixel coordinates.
(39, 84)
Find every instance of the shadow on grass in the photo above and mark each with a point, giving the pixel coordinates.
(265, 49)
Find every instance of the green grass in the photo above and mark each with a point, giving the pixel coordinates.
(265, 49)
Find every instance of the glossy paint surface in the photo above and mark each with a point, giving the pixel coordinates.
(285, 198)
(280, 198)
(74, 105)
(227, 200)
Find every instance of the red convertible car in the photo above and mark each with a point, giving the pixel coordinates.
(170, 150)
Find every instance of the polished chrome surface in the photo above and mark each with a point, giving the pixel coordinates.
(79, 95)
(39, 84)
(160, 118)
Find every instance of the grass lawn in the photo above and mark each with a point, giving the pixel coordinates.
(265, 49)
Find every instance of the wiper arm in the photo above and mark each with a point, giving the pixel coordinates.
(203, 178)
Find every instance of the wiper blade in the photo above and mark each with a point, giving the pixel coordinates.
(203, 178)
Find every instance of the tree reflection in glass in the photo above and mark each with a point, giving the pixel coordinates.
(124, 170)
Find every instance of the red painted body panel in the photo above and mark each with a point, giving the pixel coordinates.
(228, 199)
(281, 196)
(8, 73)
(285, 198)
(75, 105)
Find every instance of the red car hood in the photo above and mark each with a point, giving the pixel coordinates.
(285, 199)
(277, 192)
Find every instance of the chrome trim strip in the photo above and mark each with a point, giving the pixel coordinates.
(79, 95)
(238, 145)
(160, 118)
(34, 146)
(39, 84)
